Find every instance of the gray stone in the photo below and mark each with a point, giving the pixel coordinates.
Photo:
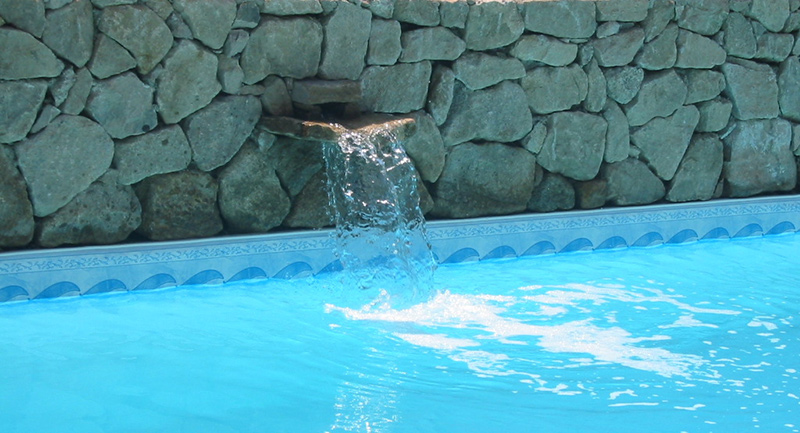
(46, 116)
(759, 158)
(620, 49)
(608, 28)
(290, 7)
(796, 140)
(420, 12)
(314, 92)
(27, 15)
(140, 30)
(163, 8)
(793, 23)
(699, 172)
(24, 57)
(622, 10)
(630, 182)
(739, 39)
(188, 82)
(658, 17)
(703, 85)
(771, 13)
(384, 42)
(544, 49)
(210, 21)
(402, 88)
(178, 27)
(19, 104)
(753, 89)
(534, 142)
(55, 4)
(591, 194)
(661, 52)
(276, 100)
(563, 19)
(554, 192)
(440, 96)
(486, 179)
(63, 160)
(109, 58)
(596, 95)
(311, 206)
(179, 206)
(70, 32)
(698, 52)
(236, 42)
(296, 162)
(663, 141)
(661, 94)
(508, 119)
(774, 47)
(714, 115)
(702, 16)
(248, 15)
(218, 131)
(161, 151)
(555, 89)
(618, 142)
(107, 3)
(624, 83)
(478, 70)
(105, 213)
(492, 25)
(251, 199)
(789, 89)
(288, 47)
(60, 87)
(16, 213)
(122, 105)
(430, 43)
(379, 8)
(78, 93)
(230, 75)
(346, 35)
(574, 145)
(453, 13)
(426, 148)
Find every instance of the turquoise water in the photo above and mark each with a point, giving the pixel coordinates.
(701, 337)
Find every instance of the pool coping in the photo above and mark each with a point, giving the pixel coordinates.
(39, 274)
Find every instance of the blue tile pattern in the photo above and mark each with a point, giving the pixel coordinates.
(93, 270)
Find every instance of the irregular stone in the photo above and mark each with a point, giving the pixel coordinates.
(55, 4)
(161, 151)
(661, 52)
(753, 89)
(210, 22)
(574, 145)
(698, 52)
(140, 30)
(290, 7)
(296, 162)
(596, 95)
(70, 32)
(63, 160)
(251, 199)
(544, 49)
(486, 179)
(591, 194)
(179, 206)
(796, 140)
(60, 87)
(109, 58)
(478, 70)
(218, 131)
(771, 13)
(402, 88)
(624, 83)
(774, 47)
(739, 39)
(379, 8)
(276, 100)
(426, 148)
(453, 13)
(789, 89)
(563, 19)
(26, 15)
(288, 47)
(699, 171)
(702, 16)
(554, 192)
(714, 115)
(609, 28)
(620, 49)
(492, 25)
(178, 27)
(661, 94)
(46, 116)
(420, 12)
(106, 3)
(630, 182)
(122, 105)
(430, 43)
(24, 57)
(16, 213)
(188, 82)
(793, 23)
(105, 213)
(163, 8)
(618, 141)
(19, 104)
(346, 35)
(78, 94)
(658, 17)
(248, 15)
(230, 75)
(534, 142)
(622, 10)
(236, 42)
(759, 158)
(509, 119)
(311, 207)
(555, 89)
(440, 96)
(703, 85)
(384, 42)
(663, 141)
(314, 92)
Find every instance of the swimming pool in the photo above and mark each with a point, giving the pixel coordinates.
(701, 337)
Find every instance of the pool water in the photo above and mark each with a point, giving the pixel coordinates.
(701, 337)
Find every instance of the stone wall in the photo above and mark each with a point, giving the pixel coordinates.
(140, 119)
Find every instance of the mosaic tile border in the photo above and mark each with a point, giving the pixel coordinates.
(89, 270)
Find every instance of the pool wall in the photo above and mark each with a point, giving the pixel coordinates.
(135, 120)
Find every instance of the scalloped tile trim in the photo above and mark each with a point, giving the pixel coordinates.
(119, 268)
